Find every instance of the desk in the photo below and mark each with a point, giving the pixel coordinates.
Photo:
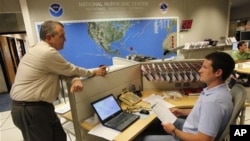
(243, 67)
(136, 128)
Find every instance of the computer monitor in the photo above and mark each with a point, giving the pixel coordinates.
(245, 35)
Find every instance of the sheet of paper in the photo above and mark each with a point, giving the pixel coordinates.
(104, 132)
(153, 98)
(63, 109)
(163, 113)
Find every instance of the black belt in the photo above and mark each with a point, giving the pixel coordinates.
(31, 103)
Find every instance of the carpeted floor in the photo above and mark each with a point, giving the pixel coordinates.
(5, 102)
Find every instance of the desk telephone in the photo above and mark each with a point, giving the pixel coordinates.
(129, 98)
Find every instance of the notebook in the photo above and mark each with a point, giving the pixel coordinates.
(111, 114)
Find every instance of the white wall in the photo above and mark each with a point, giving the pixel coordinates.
(210, 18)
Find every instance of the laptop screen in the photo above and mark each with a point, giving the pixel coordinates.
(106, 107)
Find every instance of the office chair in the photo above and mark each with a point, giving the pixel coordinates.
(239, 94)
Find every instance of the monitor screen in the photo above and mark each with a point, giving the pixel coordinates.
(245, 35)
(106, 107)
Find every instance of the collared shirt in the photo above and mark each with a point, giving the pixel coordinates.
(37, 77)
(211, 112)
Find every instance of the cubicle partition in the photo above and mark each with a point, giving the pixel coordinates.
(96, 87)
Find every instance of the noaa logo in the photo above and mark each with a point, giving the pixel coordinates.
(55, 10)
(163, 7)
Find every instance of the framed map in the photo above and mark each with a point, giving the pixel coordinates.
(90, 43)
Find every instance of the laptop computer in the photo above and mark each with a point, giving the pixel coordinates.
(111, 114)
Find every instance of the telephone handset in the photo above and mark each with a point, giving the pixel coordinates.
(129, 98)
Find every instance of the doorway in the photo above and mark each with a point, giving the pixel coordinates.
(12, 50)
(3, 74)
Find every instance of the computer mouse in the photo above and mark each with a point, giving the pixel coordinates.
(144, 111)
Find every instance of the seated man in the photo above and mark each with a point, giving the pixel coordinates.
(213, 109)
(241, 55)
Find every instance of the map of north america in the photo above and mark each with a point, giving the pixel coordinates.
(91, 43)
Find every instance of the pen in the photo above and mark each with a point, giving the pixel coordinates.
(153, 105)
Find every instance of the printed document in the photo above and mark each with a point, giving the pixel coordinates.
(163, 112)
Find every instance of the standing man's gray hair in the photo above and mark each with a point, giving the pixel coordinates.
(47, 28)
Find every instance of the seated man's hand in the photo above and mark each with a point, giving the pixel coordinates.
(168, 127)
(76, 86)
(180, 112)
(176, 112)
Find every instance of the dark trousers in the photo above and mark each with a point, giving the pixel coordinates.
(155, 128)
(37, 121)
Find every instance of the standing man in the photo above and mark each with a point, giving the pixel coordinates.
(36, 85)
(212, 110)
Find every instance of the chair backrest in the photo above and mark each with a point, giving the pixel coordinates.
(239, 94)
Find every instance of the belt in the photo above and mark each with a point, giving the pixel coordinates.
(31, 103)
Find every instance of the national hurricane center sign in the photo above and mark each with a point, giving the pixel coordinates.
(113, 6)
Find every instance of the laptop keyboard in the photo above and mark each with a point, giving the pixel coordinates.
(121, 118)
(124, 124)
